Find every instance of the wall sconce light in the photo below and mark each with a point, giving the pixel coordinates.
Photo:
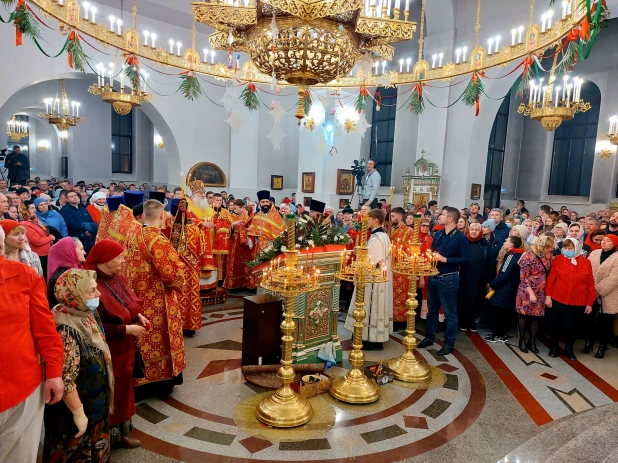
(64, 135)
(43, 145)
(159, 142)
(605, 149)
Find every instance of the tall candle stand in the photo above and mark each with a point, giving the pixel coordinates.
(284, 408)
(355, 387)
(407, 259)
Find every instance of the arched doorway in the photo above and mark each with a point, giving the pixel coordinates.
(495, 155)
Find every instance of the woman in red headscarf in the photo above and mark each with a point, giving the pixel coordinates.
(119, 309)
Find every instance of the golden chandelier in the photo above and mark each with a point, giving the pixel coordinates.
(61, 112)
(17, 130)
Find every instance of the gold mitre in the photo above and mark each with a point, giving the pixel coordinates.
(197, 186)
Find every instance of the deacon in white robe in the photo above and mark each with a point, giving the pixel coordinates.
(378, 323)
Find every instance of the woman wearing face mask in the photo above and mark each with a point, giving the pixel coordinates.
(120, 312)
(604, 263)
(66, 254)
(77, 428)
(530, 303)
(570, 292)
(16, 246)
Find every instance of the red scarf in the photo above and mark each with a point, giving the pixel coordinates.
(590, 243)
(517, 250)
(474, 240)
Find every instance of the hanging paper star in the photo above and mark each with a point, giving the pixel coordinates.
(276, 136)
(277, 112)
(362, 125)
(235, 120)
(365, 66)
(229, 99)
(385, 80)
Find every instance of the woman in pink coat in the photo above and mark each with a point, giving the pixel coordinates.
(605, 271)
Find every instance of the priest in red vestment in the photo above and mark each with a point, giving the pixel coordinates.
(400, 235)
(156, 274)
(240, 250)
(221, 246)
(191, 244)
(201, 214)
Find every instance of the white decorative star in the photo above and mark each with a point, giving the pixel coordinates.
(229, 99)
(385, 80)
(277, 112)
(362, 125)
(235, 120)
(276, 136)
(365, 66)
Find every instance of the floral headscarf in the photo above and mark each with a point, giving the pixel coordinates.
(539, 244)
(73, 315)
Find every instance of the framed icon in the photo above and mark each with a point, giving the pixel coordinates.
(276, 182)
(307, 201)
(209, 173)
(308, 182)
(343, 203)
(345, 182)
(475, 191)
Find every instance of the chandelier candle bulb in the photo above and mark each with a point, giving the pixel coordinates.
(440, 56)
(112, 21)
(171, 42)
(146, 35)
(383, 66)
(543, 21)
(401, 65)
(178, 46)
(433, 61)
(119, 24)
(531, 91)
(544, 96)
(86, 9)
(212, 57)
(513, 37)
(122, 80)
(568, 97)
(465, 51)
(388, 9)
(570, 7)
(457, 54)
(377, 66)
(407, 10)
(564, 8)
(557, 97)
(564, 87)
(408, 62)
(93, 11)
(490, 43)
(77, 109)
(520, 31)
(550, 14)
(205, 55)
(498, 38)
(153, 37)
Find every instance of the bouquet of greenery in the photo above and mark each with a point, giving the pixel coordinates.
(308, 234)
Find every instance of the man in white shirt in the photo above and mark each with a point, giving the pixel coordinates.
(372, 186)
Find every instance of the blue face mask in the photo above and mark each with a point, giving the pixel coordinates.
(93, 303)
(569, 254)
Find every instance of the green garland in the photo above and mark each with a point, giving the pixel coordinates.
(473, 91)
(8, 3)
(131, 72)
(417, 103)
(307, 103)
(524, 81)
(569, 58)
(361, 100)
(77, 56)
(250, 98)
(190, 86)
(26, 24)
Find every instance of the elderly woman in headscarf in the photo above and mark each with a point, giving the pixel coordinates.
(534, 267)
(521, 231)
(97, 203)
(50, 218)
(120, 312)
(66, 254)
(569, 294)
(17, 248)
(77, 428)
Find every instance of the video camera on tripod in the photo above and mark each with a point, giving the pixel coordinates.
(358, 170)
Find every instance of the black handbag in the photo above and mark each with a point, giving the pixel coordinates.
(139, 367)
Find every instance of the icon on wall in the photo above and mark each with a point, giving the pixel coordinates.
(308, 182)
(209, 173)
(276, 182)
(345, 182)
(475, 191)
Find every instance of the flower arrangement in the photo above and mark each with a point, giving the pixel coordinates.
(309, 234)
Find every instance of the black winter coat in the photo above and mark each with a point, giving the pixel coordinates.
(473, 276)
(506, 282)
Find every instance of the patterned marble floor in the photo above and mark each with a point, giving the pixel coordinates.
(485, 388)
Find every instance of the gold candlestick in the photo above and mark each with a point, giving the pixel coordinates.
(284, 408)
(355, 387)
(411, 262)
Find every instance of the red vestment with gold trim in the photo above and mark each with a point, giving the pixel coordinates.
(221, 247)
(263, 228)
(240, 253)
(156, 273)
(400, 236)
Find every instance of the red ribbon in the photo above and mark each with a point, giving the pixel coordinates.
(475, 79)
(72, 37)
(18, 34)
(251, 87)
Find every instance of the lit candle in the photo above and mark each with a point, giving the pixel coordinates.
(457, 54)
(490, 43)
(307, 257)
(544, 21)
(498, 38)
(111, 77)
(86, 9)
(401, 65)
(153, 37)
(564, 8)
(119, 24)
(531, 91)
(564, 87)
(377, 66)
(570, 7)
(465, 50)
(513, 37)
(93, 10)
(568, 98)
(77, 105)
(212, 57)
(408, 62)
(205, 55)
(520, 31)
(540, 90)
(557, 97)
(171, 46)
(312, 254)
(397, 4)
(388, 9)
(407, 5)
(440, 56)
(122, 80)
(383, 66)
(112, 21)
(178, 45)
(146, 35)
(550, 14)
(433, 61)
(545, 100)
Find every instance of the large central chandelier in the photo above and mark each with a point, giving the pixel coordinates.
(306, 42)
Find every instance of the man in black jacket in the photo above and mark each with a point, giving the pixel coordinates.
(18, 165)
(501, 304)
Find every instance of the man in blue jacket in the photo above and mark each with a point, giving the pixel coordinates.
(501, 232)
(78, 220)
(501, 305)
(453, 251)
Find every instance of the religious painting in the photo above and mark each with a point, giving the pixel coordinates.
(276, 182)
(308, 182)
(192, 58)
(132, 40)
(475, 192)
(73, 12)
(420, 69)
(345, 182)
(343, 203)
(476, 58)
(307, 201)
(207, 172)
(421, 200)
(532, 38)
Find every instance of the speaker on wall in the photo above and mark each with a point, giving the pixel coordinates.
(64, 166)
